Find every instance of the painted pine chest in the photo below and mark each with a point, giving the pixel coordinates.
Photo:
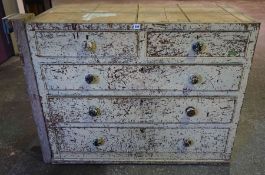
(138, 83)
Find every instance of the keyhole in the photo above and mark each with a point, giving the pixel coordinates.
(141, 70)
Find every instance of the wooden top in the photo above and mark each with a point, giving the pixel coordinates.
(142, 13)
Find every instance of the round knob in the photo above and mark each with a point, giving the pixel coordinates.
(187, 142)
(91, 46)
(99, 142)
(142, 130)
(197, 47)
(194, 79)
(94, 111)
(190, 111)
(89, 78)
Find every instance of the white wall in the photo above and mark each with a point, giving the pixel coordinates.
(10, 6)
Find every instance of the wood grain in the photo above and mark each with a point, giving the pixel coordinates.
(142, 13)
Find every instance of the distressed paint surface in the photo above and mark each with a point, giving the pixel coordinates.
(19, 25)
(179, 44)
(136, 77)
(146, 27)
(140, 109)
(198, 63)
(141, 140)
(77, 44)
(141, 158)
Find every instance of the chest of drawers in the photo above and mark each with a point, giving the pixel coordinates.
(137, 83)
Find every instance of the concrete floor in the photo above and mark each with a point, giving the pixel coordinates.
(20, 153)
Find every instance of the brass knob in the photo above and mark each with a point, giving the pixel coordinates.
(94, 111)
(187, 142)
(190, 111)
(194, 79)
(90, 78)
(99, 142)
(197, 47)
(91, 46)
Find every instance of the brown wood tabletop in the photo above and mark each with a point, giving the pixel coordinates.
(142, 13)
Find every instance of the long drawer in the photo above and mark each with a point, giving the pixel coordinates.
(142, 77)
(141, 109)
(124, 140)
(88, 44)
(197, 44)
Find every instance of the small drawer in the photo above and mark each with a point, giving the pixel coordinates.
(152, 110)
(184, 78)
(86, 44)
(137, 140)
(197, 44)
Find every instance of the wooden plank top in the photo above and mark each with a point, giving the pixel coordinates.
(142, 13)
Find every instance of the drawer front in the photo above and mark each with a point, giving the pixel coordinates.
(135, 140)
(136, 77)
(197, 44)
(141, 109)
(88, 44)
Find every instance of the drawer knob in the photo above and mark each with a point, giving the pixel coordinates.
(197, 47)
(90, 78)
(99, 142)
(91, 46)
(142, 130)
(94, 111)
(194, 79)
(187, 142)
(190, 111)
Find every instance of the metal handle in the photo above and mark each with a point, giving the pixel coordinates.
(99, 142)
(187, 142)
(190, 111)
(94, 111)
(194, 79)
(90, 78)
(197, 47)
(91, 46)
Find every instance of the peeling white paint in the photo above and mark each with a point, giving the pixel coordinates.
(142, 90)
(136, 77)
